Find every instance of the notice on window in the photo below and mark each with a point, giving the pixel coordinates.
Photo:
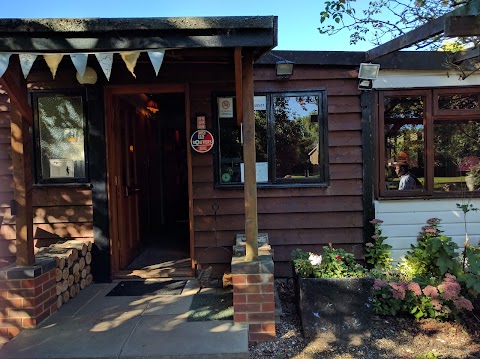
(225, 107)
(60, 168)
(261, 170)
(260, 103)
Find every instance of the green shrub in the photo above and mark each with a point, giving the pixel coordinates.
(377, 252)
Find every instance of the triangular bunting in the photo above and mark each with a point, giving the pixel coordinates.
(130, 59)
(4, 59)
(105, 61)
(80, 62)
(156, 57)
(26, 62)
(53, 60)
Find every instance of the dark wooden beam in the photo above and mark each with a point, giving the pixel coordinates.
(466, 55)
(423, 32)
(249, 159)
(238, 84)
(21, 116)
(461, 26)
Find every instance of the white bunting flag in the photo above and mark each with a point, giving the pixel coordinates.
(80, 62)
(156, 57)
(53, 61)
(26, 62)
(4, 59)
(105, 61)
(130, 59)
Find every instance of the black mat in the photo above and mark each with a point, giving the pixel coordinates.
(139, 288)
(211, 307)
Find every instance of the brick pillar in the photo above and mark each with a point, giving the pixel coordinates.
(27, 296)
(254, 296)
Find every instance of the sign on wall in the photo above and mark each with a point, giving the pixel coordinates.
(225, 107)
(202, 141)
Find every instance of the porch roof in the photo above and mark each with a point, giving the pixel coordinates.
(122, 34)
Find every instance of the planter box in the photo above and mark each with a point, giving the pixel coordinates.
(340, 306)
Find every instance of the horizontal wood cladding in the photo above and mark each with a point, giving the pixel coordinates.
(306, 73)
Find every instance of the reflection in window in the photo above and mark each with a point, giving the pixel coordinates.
(457, 102)
(61, 137)
(296, 137)
(404, 143)
(457, 155)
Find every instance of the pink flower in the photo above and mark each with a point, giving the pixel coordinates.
(463, 303)
(376, 221)
(437, 305)
(434, 220)
(375, 237)
(379, 284)
(449, 290)
(450, 278)
(316, 260)
(415, 288)
(430, 291)
(398, 290)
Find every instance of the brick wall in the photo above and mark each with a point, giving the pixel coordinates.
(254, 296)
(27, 296)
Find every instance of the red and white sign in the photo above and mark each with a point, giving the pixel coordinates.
(202, 141)
(201, 124)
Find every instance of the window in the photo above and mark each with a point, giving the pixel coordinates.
(429, 142)
(289, 137)
(59, 132)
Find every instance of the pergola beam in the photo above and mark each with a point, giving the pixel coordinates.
(466, 55)
(421, 33)
(461, 26)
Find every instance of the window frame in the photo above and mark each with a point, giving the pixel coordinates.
(274, 182)
(431, 114)
(35, 135)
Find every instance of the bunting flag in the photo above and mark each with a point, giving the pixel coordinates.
(4, 59)
(130, 59)
(80, 62)
(105, 60)
(26, 62)
(156, 57)
(53, 61)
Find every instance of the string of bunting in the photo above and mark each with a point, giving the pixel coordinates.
(79, 60)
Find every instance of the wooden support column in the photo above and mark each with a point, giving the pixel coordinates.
(238, 84)
(21, 118)
(249, 159)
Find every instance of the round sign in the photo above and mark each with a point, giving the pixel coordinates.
(201, 141)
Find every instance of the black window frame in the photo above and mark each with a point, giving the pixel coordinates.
(35, 135)
(323, 180)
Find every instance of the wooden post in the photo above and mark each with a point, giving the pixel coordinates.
(249, 159)
(238, 84)
(21, 118)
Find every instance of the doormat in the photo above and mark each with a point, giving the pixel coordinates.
(211, 307)
(139, 288)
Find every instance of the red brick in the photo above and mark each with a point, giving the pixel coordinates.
(49, 302)
(20, 313)
(268, 327)
(43, 316)
(49, 284)
(246, 288)
(52, 274)
(239, 317)
(266, 288)
(239, 298)
(29, 283)
(259, 278)
(14, 331)
(29, 323)
(239, 279)
(255, 328)
(53, 308)
(261, 317)
(27, 303)
(11, 303)
(261, 337)
(42, 297)
(10, 284)
(260, 298)
(53, 291)
(242, 308)
(268, 307)
(21, 293)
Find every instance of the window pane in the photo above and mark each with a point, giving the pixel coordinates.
(62, 141)
(296, 138)
(404, 143)
(457, 151)
(231, 150)
(457, 102)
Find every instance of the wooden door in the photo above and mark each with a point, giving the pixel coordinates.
(127, 182)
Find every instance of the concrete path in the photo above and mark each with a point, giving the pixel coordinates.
(92, 325)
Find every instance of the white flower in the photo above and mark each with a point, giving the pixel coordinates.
(315, 260)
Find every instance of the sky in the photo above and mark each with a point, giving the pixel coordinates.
(297, 20)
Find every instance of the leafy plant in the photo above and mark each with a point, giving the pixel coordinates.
(471, 276)
(377, 252)
(333, 263)
(429, 355)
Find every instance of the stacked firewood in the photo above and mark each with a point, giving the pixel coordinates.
(73, 271)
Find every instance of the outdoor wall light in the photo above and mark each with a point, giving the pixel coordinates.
(284, 69)
(89, 78)
(367, 74)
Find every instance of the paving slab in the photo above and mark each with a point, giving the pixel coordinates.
(172, 337)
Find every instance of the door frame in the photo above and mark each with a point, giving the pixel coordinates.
(109, 92)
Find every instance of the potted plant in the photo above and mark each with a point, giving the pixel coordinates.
(334, 294)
